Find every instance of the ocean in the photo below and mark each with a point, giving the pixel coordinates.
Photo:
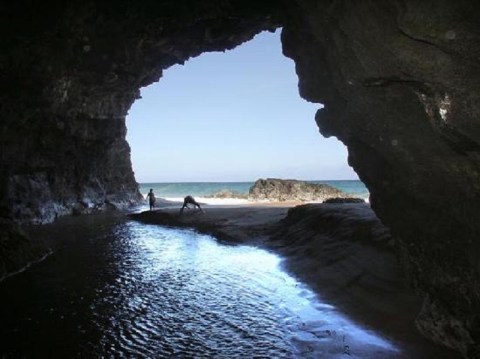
(204, 191)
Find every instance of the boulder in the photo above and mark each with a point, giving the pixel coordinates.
(274, 189)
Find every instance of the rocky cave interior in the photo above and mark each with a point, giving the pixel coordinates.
(399, 80)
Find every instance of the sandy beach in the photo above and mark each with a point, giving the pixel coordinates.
(341, 251)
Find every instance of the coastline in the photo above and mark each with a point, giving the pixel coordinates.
(238, 192)
(341, 251)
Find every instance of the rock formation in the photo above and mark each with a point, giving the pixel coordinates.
(399, 80)
(274, 189)
(400, 83)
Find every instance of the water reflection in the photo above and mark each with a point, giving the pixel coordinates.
(118, 288)
(182, 293)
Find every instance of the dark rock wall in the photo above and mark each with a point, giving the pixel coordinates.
(60, 166)
(400, 81)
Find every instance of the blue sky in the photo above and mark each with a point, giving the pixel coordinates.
(231, 116)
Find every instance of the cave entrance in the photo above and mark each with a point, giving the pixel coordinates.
(231, 117)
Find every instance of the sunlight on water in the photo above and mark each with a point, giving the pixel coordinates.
(238, 292)
(117, 288)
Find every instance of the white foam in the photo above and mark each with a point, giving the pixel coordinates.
(212, 201)
(206, 200)
(227, 201)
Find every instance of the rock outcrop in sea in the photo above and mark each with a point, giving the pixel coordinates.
(274, 189)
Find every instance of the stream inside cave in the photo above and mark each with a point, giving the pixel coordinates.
(117, 288)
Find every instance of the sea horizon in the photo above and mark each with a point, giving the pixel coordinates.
(285, 179)
(206, 191)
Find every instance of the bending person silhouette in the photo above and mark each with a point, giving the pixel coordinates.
(190, 200)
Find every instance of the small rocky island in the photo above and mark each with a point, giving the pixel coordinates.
(274, 189)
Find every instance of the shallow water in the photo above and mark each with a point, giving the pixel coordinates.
(118, 288)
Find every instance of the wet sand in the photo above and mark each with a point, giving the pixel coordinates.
(341, 251)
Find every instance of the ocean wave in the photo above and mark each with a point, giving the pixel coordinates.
(213, 201)
(227, 194)
(237, 193)
(227, 201)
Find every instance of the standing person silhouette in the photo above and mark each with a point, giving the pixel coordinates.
(190, 200)
(151, 198)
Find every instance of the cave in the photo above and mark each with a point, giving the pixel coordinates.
(399, 81)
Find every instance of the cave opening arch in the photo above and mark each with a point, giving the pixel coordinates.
(231, 117)
(399, 82)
